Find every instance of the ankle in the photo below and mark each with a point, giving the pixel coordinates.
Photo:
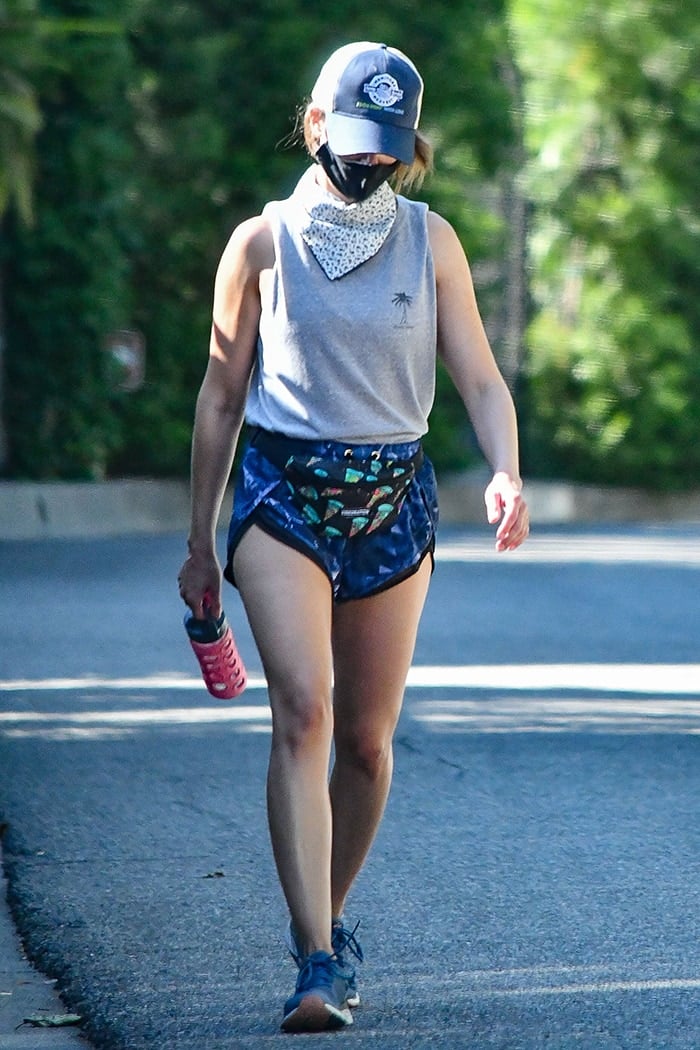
(308, 945)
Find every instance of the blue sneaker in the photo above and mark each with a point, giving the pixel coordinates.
(320, 1001)
(342, 939)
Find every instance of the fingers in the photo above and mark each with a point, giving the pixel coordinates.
(211, 603)
(200, 587)
(494, 505)
(191, 599)
(514, 528)
(504, 503)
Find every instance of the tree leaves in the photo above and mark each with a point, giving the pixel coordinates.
(613, 135)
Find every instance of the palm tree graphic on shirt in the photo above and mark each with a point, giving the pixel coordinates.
(403, 301)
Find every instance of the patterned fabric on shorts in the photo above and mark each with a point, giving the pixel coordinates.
(356, 567)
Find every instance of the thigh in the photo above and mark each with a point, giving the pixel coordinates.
(288, 601)
(373, 643)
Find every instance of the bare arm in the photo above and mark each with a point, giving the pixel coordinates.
(465, 351)
(221, 402)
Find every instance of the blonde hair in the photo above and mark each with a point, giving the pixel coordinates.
(406, 176)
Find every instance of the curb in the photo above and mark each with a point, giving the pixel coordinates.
(562, 503)
(60, 509)
(25, 992)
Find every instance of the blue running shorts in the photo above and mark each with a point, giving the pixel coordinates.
(357, 567)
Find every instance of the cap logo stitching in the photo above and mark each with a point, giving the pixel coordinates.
(383, 90)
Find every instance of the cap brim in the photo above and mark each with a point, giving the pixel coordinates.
(348, 135)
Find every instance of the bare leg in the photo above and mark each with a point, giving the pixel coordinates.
(288, 601)
(373, 643)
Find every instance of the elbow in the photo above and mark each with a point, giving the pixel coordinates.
(491, 391)
(222, 407)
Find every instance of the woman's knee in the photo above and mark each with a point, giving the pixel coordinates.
(302, 716)
(368, 751)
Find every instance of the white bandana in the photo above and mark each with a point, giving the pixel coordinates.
(343, 236)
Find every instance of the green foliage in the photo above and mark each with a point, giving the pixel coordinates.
(147, 137)
(155, 144)
(20, 118)
(24, 36)
(67, 276)
(614, 137)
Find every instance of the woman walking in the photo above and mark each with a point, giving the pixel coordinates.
(330, 309)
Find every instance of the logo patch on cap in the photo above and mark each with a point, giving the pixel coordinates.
(383, 90)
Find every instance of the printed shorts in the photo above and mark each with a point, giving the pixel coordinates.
(356, 567)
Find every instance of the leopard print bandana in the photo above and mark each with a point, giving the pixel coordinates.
(343, 236)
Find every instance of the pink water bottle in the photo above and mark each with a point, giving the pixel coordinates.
(222, 667)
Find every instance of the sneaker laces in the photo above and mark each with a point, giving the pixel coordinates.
(344, 938)
(318, 971)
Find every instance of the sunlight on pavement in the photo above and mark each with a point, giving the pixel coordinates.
(561, 980)
(619, 678)
(515, 698)
(663, 679)
(157, 681)
(539, 714)
(588, 548)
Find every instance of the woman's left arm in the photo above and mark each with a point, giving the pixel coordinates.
(465, 351)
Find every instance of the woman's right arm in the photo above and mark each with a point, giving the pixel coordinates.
(221, 402)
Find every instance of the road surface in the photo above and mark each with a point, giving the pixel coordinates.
(535, 883)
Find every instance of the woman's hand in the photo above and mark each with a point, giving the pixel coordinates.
(505, 504)
(199, 580)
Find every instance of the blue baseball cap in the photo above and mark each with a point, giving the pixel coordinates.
(371, 95)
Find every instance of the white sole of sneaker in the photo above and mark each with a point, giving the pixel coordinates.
(314, 1015)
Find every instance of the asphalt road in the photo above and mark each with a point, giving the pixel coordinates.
(535, 883)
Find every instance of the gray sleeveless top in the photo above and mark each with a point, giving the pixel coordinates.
(352, 358)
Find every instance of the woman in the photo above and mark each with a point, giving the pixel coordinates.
(329, 310)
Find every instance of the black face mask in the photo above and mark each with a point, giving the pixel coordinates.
(355, 181)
